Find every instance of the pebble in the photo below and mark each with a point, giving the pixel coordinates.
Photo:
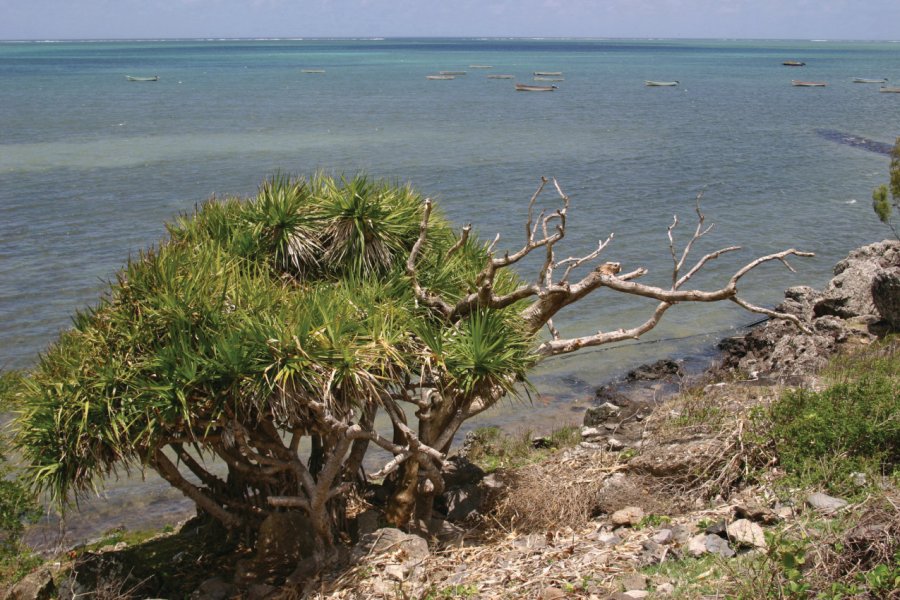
(825, 503)
(665, 589)
(663, 536)
(634, 581)
(614, 444)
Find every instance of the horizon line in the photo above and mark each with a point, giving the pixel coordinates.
(466, 37)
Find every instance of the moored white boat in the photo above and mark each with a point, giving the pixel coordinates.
(797, 83)
(863, 80)
(890, 90)
(500, 77)
(153, 78)
(523, 87)
(440, 77)
(547, 73)
(661, 83)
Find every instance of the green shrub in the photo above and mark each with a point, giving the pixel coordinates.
(822, 437)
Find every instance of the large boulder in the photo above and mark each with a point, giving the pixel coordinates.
(849, 293)
(886, 296)
(35, 586)
(862, 292)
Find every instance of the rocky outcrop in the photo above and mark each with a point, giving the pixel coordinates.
(886, 296)
(859, 301)
(35, 586)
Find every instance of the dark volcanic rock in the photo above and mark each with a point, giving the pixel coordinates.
(661, 369)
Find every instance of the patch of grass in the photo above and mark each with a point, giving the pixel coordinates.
(822, 438)
(131, 538)
(491, 448)
(653, 521)
(453, 591)
(692, 577)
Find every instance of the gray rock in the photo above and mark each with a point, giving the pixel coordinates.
(661, 369)
(849, 293)
(630, 515)
(706, 543)
(609, 539)
(663, 536)
(835, 315)
(389, 539)
(680, 534)
(886, 296)
(614, 444)
(859, 479)
(591, 433)
(634, 581)
(825, 503)
(696, 546)
(717, 528)
(665, 589)
(747, 534)
(599, 414)
(717, 545)
(34, 586)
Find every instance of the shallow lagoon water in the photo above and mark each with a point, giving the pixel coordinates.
(91, 165)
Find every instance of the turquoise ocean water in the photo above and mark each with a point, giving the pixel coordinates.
(91, 165)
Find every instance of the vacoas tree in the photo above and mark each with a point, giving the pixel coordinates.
(270, 333)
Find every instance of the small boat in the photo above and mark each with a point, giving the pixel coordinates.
(481, 66)
(661, 83)
(521, 87)
(312, 70)
(889, 90)
(547, 73)
(549, 79)
(130, 78)
(793, 63)
(500, 77)
(861, 80)
(440, 77)
(454, 73)
(796, 83)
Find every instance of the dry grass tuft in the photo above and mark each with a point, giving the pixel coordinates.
(553, 494)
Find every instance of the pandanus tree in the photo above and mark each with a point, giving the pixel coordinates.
(270, 334)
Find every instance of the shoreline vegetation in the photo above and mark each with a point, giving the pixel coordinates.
(773, 476)
(604, 523)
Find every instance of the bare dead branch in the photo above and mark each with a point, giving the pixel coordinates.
(426, 298)
(667, 298)
(463, 238)
(772, 314)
